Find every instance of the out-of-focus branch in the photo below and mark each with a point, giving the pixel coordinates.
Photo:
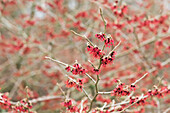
(136, 47)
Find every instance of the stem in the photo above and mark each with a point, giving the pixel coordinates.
(105, 93)
(62, 63)
(83, 36)
(139, 47)
(139, 79)
(133, 103)
(61, 90)
(114, 48)
(96, 87)
(105, 23)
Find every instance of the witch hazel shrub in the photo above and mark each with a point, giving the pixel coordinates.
(84, 56)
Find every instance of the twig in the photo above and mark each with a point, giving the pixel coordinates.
(166, 111)
(114, 48)
(81, 108)
(96, 87)
(91, 64)
(139, 79)
(40, 99)
(62, 63)
(83, 36)
(133, 103)
(139, 47)
(61, 90)
(105, 93)
(103, 106)
(105, 23)
(91, 78)
(44, 98)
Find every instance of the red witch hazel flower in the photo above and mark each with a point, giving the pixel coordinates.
(120, 91)
(4, 101)
(108, 59)
(139, 102)
(95, 51)
(78, 85)
(100, 36)
(109, 42)
(68, 68)
(80, 81)
(68, 104)
(70, 83)
(132, 87)
(158, 92)
(96, 71)
(76, 70)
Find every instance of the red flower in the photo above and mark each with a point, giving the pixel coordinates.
(96, 71)
(120, 91)
(132, 87)
(100, 36)
(68, 68)
(109, 42)
(108, 59)
(95, 51)
(78, 70)
(80, 81)
(70, 84)
(79, 87)
(68, 103)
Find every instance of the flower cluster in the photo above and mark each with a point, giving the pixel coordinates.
(100, 36)
(69, 106)
(138, 102)
(72, 108)
(121, 12)
(159, 92)
(95, 51)
(78, 85)
(76, 70)
(108, 59)
(70, 83)
(132, 87)
(120, 91)
(4, 102)
(107, 40)
(22, 106)
(96, 71)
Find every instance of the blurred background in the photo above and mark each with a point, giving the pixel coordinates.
(33, 29)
